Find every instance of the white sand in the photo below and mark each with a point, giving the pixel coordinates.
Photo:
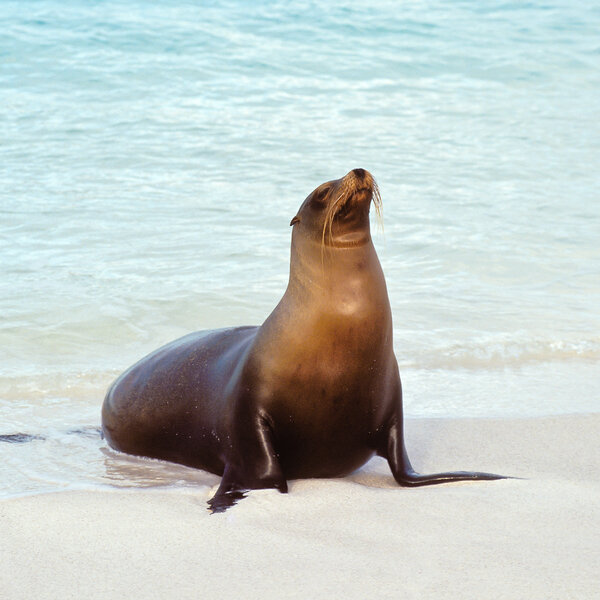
(358, 537)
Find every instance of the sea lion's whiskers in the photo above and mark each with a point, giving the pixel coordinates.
(327, 229)
(329, 217)
(377, 202)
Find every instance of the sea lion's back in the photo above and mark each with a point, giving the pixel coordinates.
(168, 393)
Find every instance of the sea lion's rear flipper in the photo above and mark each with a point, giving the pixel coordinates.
(394, 450)
(253, 466)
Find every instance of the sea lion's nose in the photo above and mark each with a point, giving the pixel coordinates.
(360, 173)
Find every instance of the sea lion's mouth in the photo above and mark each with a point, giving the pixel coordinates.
(358, 198)
(368, 190)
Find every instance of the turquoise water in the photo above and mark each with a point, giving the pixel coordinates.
(152, 155)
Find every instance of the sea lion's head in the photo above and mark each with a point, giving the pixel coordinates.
(336, 214)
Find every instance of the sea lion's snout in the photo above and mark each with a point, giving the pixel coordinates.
(357, 180)
(357, 186)
(361, 178)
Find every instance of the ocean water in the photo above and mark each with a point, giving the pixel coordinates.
(152, 155)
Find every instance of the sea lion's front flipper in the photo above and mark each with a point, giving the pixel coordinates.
(394, 450)
(253, 465)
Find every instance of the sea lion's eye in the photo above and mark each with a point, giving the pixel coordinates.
(319, 197)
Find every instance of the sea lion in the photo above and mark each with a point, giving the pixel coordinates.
(313, 392)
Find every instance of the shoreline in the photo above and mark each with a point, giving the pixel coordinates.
(354, 537)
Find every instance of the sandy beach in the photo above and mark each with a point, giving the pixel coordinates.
(357, 537)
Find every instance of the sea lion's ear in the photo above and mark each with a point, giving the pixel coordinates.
(295, 220)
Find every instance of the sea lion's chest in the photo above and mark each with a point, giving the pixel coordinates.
(328, 368)
(321, 393)
(323, 426)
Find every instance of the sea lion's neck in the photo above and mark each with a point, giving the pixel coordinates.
(340, 299)
(336, 279)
